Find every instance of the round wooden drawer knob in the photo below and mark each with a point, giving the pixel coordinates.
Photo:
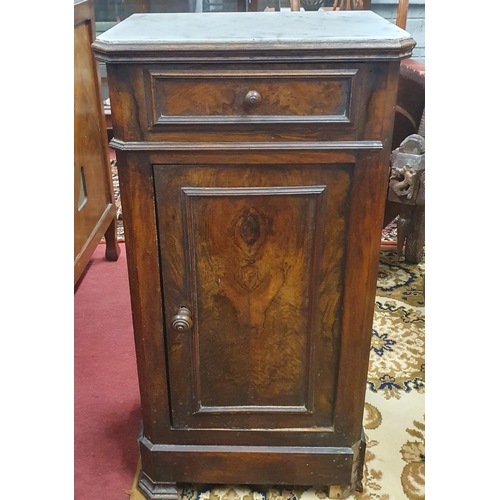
(253, 98)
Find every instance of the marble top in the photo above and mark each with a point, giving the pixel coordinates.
(255, 28)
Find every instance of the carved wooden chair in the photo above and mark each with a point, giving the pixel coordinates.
(409, 120)
(295, 5)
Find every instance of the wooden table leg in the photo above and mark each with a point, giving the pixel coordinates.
(112, 247)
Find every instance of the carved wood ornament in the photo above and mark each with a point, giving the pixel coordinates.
(407, 187)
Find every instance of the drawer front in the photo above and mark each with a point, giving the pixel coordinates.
(243, 97)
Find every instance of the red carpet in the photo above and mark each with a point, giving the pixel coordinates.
(107, 405)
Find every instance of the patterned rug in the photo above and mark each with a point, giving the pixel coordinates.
(394, 409)
(118, 202)
(389, 233)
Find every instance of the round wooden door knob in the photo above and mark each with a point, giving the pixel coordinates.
(182, 321)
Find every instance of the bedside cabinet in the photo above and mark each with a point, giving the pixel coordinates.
(253, 155)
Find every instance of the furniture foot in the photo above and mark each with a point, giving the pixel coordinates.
(156, 491)
(345, 491)
(112, 247)
(358, 483)
(339, 491)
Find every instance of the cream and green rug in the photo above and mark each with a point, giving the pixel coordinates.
(394, 408)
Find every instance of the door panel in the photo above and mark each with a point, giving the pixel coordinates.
(242, 249)
(254, 281)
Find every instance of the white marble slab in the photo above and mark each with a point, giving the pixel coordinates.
(255, 28)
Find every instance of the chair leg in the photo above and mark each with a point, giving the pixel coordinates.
(403, 227)
(415, 240)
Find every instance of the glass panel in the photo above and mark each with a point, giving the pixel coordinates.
(109, 12)
(117, 10)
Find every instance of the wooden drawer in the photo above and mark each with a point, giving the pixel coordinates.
(250, 97)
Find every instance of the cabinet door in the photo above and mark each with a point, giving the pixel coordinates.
(256, 254)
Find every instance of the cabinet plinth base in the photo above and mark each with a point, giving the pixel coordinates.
(339, 467)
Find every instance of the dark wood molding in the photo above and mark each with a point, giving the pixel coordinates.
(123, 53)
(247, 146)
